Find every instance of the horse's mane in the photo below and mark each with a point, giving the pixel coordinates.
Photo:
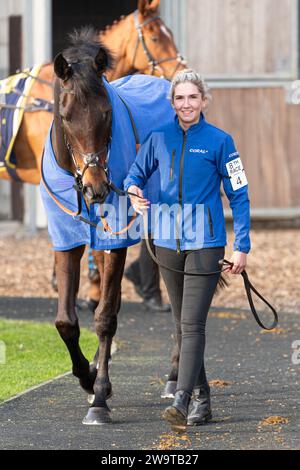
(81, 54)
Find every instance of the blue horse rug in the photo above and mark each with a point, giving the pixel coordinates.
(14, 93)
(146, 98)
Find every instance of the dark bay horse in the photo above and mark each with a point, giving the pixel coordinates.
(139, 42)
(80, 138)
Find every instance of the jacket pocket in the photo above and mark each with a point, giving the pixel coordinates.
(172, 165)
(210, 221)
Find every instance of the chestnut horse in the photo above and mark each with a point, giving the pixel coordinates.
(139, 42)
(81, 148)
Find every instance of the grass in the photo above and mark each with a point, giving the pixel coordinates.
(35, 353)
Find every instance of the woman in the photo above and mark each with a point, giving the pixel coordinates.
(193, 158)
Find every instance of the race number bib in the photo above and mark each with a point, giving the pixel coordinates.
(237, 174)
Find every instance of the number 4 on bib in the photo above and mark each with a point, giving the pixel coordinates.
(236, 173)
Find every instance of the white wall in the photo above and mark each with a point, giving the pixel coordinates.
(4, 199)
(37, 41)
(7, 8)
(173, 14)
(38, 34)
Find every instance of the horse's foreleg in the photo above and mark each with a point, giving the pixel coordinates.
(67, 266)
(111, 269)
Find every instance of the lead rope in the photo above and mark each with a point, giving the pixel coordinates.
(248, 285)
(77, 216)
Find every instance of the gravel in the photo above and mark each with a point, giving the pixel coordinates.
(27, 263)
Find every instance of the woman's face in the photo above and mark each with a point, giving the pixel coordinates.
(188, 104)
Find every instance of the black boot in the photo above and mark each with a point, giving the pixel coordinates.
(200, 411)
(176, 415)
(132, 275)
(154, 304)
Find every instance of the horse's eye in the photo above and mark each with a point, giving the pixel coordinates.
(154, 39)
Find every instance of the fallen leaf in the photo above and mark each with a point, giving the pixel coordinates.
(239, 316)
(156, 380)
(170, 441)
(219, 383)
(274, 421)
(276, 331)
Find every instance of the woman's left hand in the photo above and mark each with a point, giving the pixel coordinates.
(239, 261)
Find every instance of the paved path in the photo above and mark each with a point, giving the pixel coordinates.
(262, 382)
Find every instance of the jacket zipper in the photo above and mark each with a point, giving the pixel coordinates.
(172, 165)
(180, 187)
(211, 226)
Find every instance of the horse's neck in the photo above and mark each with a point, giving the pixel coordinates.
(120, 39)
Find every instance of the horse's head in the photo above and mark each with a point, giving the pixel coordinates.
(156, 51)
(83, 111)
(142, 43)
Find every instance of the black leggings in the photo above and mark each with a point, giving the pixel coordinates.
(190, 298)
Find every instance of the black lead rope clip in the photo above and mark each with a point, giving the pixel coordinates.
(249, 287)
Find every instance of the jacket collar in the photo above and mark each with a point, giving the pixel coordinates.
(194, 128)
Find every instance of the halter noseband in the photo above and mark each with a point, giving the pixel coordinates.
(155, 64)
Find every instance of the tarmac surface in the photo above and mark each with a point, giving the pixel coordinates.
(252, 374)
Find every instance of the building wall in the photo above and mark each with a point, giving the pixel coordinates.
(266, 131)
(243, 38)
(173, 13)
(7, 8)
(230, 42)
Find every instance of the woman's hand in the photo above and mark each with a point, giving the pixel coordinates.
(139, 203)
(239, 261)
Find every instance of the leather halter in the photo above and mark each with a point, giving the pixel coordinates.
(89, 159)
(153, 63)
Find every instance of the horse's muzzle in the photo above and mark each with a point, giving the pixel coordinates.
(98, 195)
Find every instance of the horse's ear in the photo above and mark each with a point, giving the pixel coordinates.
(61, 67)
(101, 60)
(148, 6)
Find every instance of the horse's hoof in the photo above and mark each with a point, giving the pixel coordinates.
(97, 417)
(169, 390)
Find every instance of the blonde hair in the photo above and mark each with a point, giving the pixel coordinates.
(189, 75)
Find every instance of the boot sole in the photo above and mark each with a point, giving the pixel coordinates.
(175, 418)
(201, 422)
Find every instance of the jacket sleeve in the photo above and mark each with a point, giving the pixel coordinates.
(144, 165)
(238, 197)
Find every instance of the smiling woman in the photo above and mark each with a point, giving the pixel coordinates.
(193, 158)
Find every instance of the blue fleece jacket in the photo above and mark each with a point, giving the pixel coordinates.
(192, 166)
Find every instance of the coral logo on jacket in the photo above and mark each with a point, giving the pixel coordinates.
(198, 151)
